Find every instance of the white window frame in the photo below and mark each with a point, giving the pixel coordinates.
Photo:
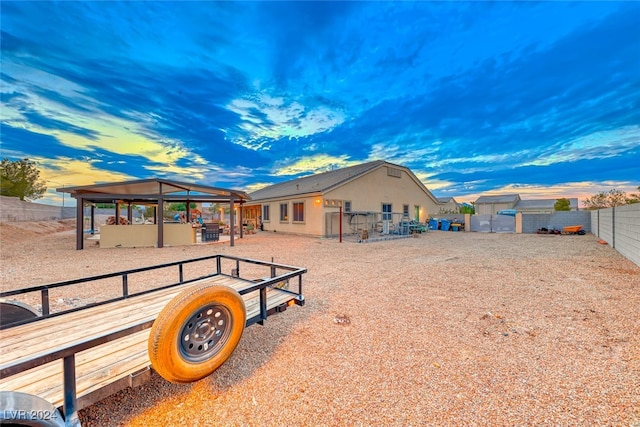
(387, 215)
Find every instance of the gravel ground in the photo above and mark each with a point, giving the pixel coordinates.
(443, 329)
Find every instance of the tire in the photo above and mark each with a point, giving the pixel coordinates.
(15, 311)
(196, 332)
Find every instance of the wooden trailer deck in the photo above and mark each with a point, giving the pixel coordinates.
(108, 343)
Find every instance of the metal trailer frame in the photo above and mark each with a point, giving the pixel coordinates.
(70, 408)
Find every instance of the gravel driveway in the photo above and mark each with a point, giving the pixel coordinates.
(443, 329)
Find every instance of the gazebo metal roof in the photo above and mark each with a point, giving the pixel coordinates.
(149, 191)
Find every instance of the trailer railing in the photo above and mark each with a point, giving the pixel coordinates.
(68, 353)
(216, 260)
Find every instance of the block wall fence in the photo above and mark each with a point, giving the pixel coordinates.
(620, 228)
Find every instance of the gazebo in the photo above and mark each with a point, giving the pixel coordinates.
(147, 192)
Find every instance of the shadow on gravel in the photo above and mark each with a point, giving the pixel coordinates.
(257, 346)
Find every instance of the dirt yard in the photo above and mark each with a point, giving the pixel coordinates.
(442, 329)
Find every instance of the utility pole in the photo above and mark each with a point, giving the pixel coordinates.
(63, 184)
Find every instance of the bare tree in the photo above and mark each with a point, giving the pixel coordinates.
(606, 199)
(634, 197)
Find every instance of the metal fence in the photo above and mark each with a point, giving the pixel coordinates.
(354, 223)
(493, 223)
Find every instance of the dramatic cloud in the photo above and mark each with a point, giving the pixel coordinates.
(537, 98)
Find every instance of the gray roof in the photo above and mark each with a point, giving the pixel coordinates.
(444, 200)
(150, 189)
(543, 204)
(501, 198)
(320, 182)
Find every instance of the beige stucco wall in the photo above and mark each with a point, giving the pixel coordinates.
(370, 191)
(145, 235)
(366, 193)
(313, 216)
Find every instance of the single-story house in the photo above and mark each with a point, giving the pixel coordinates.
(487, 205)
(493, 204)
(542, 205)
(448, 205)
(374, 192)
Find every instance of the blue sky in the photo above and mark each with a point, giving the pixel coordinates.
(536, 98)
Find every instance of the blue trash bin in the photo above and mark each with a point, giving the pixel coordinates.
(445, 223)
(433, 224)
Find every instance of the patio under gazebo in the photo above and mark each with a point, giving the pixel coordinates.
(150, 192)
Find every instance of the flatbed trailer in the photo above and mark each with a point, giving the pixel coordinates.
(54, 364)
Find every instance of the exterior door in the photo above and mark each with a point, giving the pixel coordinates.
(386, 217)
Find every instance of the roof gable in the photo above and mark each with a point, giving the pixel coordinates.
(326, 181)
(445, 200)
(321, 182)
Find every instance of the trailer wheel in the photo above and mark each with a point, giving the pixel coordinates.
(15, 311)
(196, 332)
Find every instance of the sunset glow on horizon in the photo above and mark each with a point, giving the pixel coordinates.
(538, 99)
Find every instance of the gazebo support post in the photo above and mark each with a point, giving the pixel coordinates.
(188, 211)
(79, 224)
(241, 220)
(93, 219)
(232, 223)
(159, 211)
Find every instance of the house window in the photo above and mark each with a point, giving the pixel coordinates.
(347, 206)
(284, 212)
(405, 211)
(386, 211)
(265, 213)
(298, 211)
